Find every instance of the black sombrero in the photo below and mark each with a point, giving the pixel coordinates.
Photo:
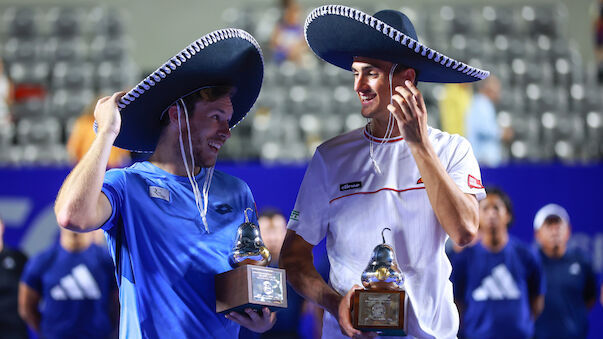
(337, 34)
(227, 57)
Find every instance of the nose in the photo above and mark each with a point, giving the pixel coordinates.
(224, 130)
(360, 83)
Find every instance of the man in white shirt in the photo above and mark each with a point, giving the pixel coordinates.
(397, 172)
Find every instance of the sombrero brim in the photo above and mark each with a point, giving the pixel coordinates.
(337, 34)
(228, 57)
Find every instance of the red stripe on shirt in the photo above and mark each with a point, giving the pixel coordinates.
(379, 190)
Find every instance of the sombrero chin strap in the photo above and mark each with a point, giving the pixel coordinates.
(390, 123)
(201, 203)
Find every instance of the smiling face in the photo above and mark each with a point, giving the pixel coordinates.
(209, 129)
(371, 84)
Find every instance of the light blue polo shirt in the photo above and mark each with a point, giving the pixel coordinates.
(168, 260)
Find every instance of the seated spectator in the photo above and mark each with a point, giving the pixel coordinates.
(6, 96)
(287, 41)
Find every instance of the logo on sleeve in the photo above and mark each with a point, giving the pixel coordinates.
(159, 192)
(294, 215)
(473, 182)
(223, 208)
(350, 186)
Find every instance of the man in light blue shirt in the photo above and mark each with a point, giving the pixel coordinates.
(171, 221)
(481, 128)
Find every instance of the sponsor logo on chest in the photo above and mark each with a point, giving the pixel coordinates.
(350, 186)
(159, 192)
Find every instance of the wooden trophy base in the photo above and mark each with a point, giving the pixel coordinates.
(251, 286)
(380, 311)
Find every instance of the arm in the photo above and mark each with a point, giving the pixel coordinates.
(29, 300)
(80, 204)
(536, 305)
(456, 211)
(296, 259)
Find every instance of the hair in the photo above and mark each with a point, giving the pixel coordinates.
(270, 212)
(552, 219)
(491, 190)
(401, 68)
(205, 94)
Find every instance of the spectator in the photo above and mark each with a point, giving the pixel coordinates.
(69, 290)
(481, 127)
(498, 283)
(6, 96)
(11, 266)
(453, 107)
(287, 40)
(571, 284)
(82, 136)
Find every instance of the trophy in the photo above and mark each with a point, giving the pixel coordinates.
(250, 284)
(379, 307)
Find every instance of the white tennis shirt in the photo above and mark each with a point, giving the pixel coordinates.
(343, 198)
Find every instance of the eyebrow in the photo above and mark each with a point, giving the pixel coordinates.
(365, 68)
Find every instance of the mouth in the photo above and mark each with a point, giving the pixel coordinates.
(366, 99)
(214, 145)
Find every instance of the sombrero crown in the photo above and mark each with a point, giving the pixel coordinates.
(337, 34)
(227, 57)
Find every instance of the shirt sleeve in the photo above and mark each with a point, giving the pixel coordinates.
(32, 274)
(536, 279)
(113, 188)
(309, 218)
(464, 169)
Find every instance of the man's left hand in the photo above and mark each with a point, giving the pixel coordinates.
(408, 107)
(253, 320)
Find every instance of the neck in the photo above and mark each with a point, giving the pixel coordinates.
(1, 245)
(167, 156)
(378, 127)
(495, 241)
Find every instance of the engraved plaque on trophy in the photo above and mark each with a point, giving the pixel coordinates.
(379, 307)
(250, 284)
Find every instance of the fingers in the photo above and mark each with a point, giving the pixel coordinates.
(345, 319)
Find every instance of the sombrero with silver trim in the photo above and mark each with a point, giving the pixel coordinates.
(337, 34)
(227, 57)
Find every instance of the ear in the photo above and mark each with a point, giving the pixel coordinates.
(409, 74)
(173, 113)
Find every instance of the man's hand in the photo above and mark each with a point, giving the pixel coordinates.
(345, 318)
(107, 115)
(408, 107)
(253, 321)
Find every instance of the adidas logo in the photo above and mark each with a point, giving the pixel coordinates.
(498, 285)
(78, 285)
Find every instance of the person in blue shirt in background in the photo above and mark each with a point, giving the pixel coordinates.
(481, 126)
(171, 220)
(69, 290)
(571, 284)
(498, 283)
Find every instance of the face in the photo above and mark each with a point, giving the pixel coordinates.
(371, 83)
(209, 129)
(553, 235)
(493, 215)
(273, 232)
